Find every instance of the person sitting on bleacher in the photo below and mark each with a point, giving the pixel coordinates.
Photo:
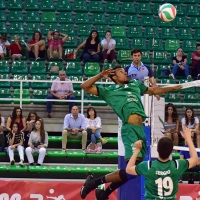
(196, 62)
(4, 44)
(55, 49)
(38, 142)
(16, 141)
(74, 127)
(2, 137)
(180, 64)
(16, 49)
(36, 46)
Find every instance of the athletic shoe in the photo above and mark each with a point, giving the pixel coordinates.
(189, 77)
(171, 76)
(12, 162)
(103, 141)
(88, 186)
(100, 194)
(21, 163)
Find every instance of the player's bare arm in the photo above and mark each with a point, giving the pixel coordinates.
(88, 85)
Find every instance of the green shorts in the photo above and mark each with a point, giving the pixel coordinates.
(130, 134)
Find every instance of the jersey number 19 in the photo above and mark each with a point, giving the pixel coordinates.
(164, 184)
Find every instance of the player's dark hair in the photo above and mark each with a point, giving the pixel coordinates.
(197, 45)
(114, 68)
(136, 51)
(174, 113)
(88, 110)
(40, 35)
(165, 147)
(186, 117)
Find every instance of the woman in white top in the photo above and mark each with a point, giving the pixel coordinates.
(108, 45)
(93, 125)
(38, 142)
(192, 123)
(2, 137)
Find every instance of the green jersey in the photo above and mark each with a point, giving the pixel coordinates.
(161, 178)
(124, 99)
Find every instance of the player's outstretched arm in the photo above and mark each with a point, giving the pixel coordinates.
(193, 160)
(88, 85)
(130, 168)
(159, 90)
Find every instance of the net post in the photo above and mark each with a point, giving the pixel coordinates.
(146, 101)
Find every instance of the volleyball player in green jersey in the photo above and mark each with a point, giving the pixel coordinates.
(162, 175)
(125, 99)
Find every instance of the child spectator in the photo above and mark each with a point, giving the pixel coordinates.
(3, 45)
(16, 49)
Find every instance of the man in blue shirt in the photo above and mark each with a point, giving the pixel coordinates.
(74, 127)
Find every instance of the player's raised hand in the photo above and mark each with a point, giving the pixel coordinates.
(186, 133)
(107, 73)
(138, 144)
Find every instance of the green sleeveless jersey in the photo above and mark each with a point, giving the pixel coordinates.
(161, 178)
(124, 99)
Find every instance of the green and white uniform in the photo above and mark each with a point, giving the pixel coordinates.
(126, 100)
(161, 178)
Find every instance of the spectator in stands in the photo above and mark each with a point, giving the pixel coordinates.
(2, 137)
(61, 91)
(93, 126)
(55, 49)
(16, 117)
(108, 44)
(36, 46)
(15, 141)
(192, 123)
(74, 127)
(4, 44)
(196, 62)
(16, 49)
(171, 123)
(91, 49)
(137, 70)
(180, 64)
(38, 142)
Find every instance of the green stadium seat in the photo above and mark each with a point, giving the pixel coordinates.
(31, 27)
(135, 31)
(76, 86)
(73, 68)
(25, 96)
(51, 64)
(191, 89)
(37, 67)
(131, 20)
(77, 94)
(167, 81)
(19, 67)
(2, 5)
(161, 23)
(48, 17)
(172, 97)
(111, 154)
(40, 94)
(184, 33)
(160, 57)
(197, 34)
(4, 84)
(67, 28)
(80, 6)
(59, 169)
(78, 169)
(192, 10)
(115, 19)
(139, 43)
(39, 85)
(3, 168)
(16, 28)
(159, 69)
(96, 6)
(112, 7)
(3, 27)
(155, 44)
(76, 154)
(180, 22)
(168, 33)
(189, 58)
(5, 93)
(15, 16)
(47, 5)
(194, 22)
(123, 55)
(118, 31)
(99, 170)
(91, 68)
(122, 43)
(14, 5)
(189, 1)
(49, 27)
(108, 65)
(63, 5)
(191, 98)
(151, 32)
(146, 57)
(172, 45)
(2, 16)
(83, 29)
(33, 16)
(147, 20)
(128, 8)
(38, 169)
(101, 29)
(100, 156)
(31, 5)
(4, 67)
(71, 41)
(15, 168)
(98, 19)
(144, 9)
(189, 45)
(20, 77)
(82, 18)
(179, 9)
(65, 17)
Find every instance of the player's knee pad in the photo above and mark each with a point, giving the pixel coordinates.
(123, 175)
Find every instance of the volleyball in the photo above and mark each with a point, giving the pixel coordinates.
(167, 12)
